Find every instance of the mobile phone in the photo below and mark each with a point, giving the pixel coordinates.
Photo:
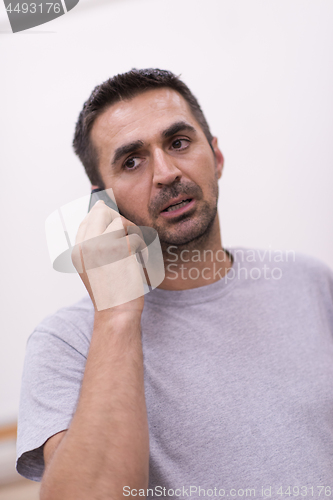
(101, 194)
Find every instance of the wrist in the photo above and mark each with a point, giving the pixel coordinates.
(115, 315)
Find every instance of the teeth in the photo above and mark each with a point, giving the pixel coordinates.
(179, 205)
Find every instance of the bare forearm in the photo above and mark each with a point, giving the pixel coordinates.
(106, 446)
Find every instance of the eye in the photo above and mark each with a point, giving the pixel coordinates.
(132, 163)
(180, 144)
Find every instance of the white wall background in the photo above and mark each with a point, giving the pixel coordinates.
(263, 73)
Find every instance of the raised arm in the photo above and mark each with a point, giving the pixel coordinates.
(107, 445)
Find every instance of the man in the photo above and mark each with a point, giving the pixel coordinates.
(217, 383)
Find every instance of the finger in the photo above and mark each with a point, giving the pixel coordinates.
(136, 243)
(132, 228)
(104, 249)
(95, 223)
(101, 217)
(116, 225)
(142, 249)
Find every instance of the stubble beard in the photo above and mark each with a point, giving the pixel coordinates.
(194, 237)
(199, 231)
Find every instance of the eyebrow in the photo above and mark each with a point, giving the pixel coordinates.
(178, 127)
(126, 149)
(132, 147)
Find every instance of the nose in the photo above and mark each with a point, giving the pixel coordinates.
(165, 169)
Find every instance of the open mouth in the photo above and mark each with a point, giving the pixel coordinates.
(177, 206)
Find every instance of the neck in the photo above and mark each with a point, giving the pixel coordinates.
(197, 264)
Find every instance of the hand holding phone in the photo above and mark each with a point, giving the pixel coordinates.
(106, 249)
(105, 257)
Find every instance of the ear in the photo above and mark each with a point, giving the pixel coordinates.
(219, 158)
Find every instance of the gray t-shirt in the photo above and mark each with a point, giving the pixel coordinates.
(238, 381)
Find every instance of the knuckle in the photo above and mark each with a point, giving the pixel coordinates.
(136, 242)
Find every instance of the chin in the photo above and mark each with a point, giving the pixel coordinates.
(192, 234)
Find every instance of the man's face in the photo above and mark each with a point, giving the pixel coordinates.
(153, 154)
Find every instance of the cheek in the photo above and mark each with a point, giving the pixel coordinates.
(132, 199)
(201, 168)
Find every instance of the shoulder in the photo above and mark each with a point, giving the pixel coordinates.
(289, 259)
(287, 266)
(71, 325)
(52, 375)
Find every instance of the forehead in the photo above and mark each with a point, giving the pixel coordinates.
(147, 114)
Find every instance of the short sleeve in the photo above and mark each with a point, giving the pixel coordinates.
(53, 370)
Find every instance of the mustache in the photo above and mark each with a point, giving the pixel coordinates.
(168, 193)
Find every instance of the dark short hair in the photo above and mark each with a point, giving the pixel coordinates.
(113, 90)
